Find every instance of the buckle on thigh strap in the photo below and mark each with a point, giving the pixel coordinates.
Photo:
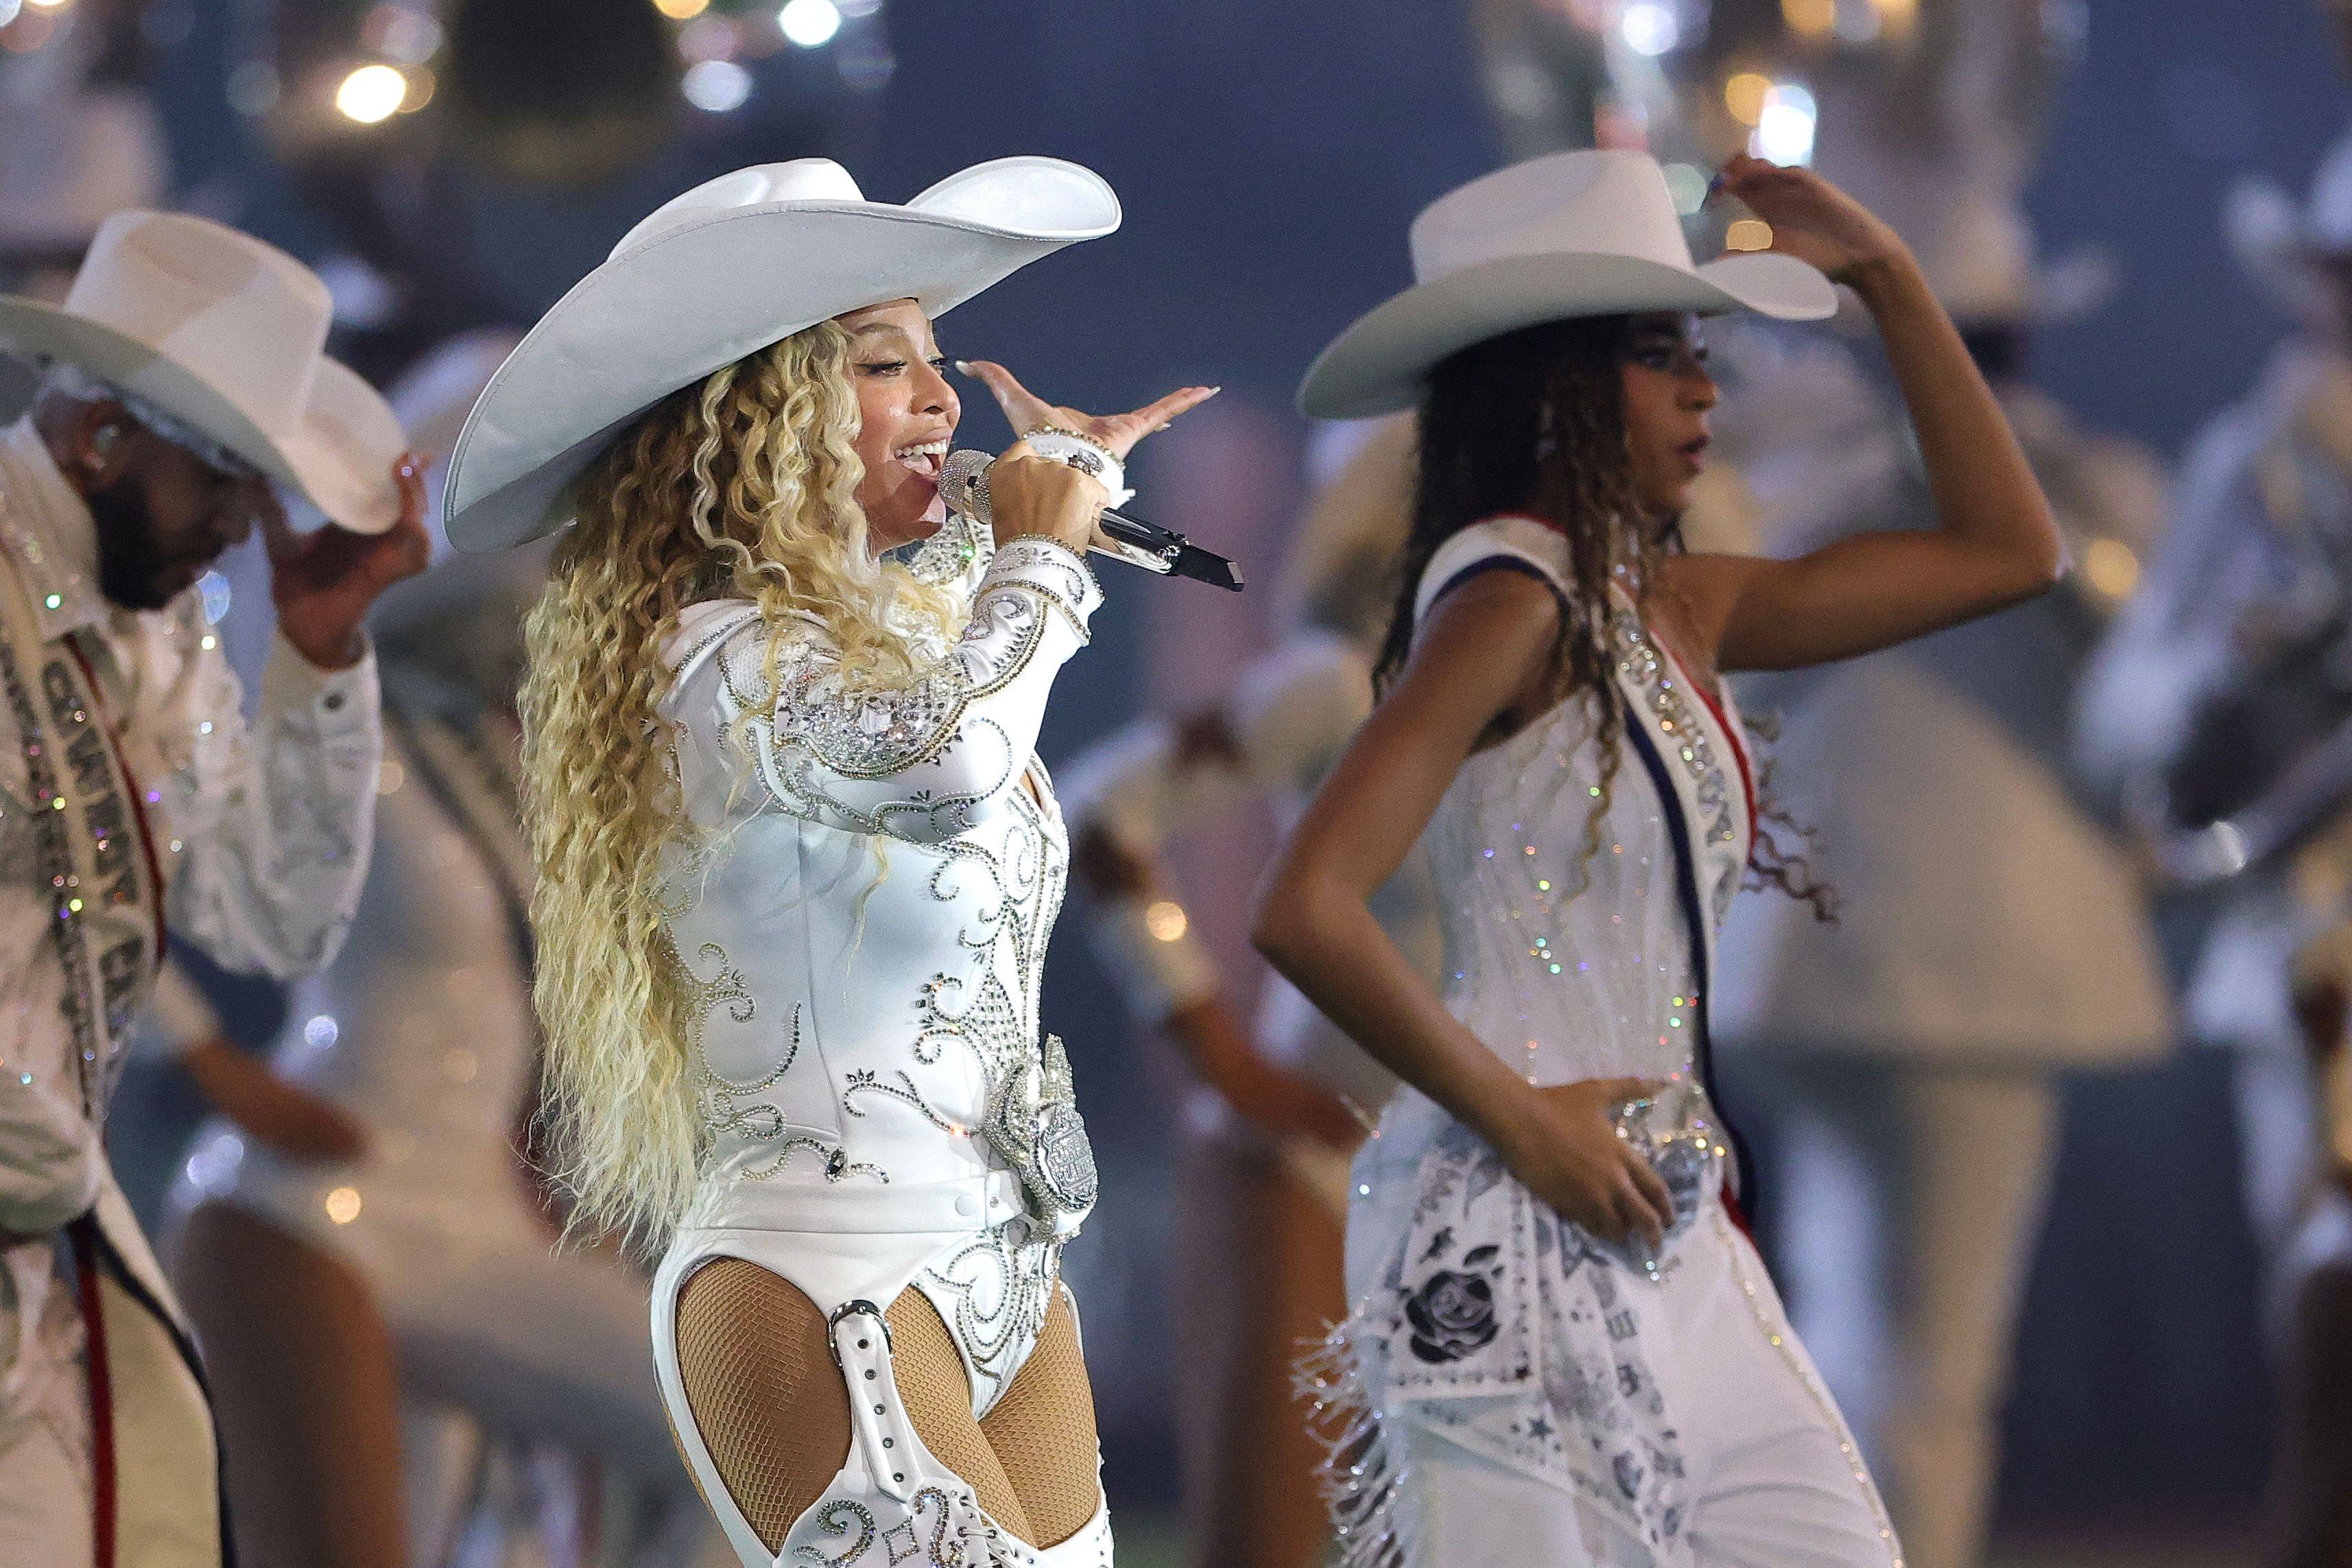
(860, 1337)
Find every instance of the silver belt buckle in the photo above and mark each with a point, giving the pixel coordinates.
(1035, 1127)
(1677, 1132)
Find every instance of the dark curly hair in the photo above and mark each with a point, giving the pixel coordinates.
(1533, 422)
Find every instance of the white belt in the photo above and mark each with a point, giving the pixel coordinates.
(973, 1203)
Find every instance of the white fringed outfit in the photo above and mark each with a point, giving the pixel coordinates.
(1507, 1388)
(864, 906)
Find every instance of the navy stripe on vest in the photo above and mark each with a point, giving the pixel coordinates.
(1687, 894)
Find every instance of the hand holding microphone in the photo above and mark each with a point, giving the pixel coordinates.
(1041, 498)
(967, 480)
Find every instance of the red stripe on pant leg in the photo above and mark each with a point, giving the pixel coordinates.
(83, 1233)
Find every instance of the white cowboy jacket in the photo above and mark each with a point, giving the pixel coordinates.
(256, 836)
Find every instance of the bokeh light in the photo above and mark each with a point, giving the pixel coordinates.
(1810, 17)
(371, 93)
(681, 10)
(1784, 129)
(1649, 28)
(717, 87)
(1743, 96)
(709, 39)
(1687, 184)
(811, 24)
(2111, 568)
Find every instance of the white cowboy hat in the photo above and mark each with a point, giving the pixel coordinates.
(1572, 234)
(724, 271)
(226, 334)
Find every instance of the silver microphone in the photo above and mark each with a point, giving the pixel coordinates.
(964, 480)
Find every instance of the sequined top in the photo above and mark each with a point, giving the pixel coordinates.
(863, 903)
(1566, 967)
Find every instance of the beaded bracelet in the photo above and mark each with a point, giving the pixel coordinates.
(1086, 455)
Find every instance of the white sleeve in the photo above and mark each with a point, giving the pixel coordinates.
(925, 759)
(269, 825)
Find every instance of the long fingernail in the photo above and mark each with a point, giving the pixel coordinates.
(964, 367)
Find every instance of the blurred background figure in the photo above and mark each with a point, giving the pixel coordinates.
(2310, 1515)
(2212, 704)
(80, 140)
(2221, 711)
(1280, 1103)
(363, 1235)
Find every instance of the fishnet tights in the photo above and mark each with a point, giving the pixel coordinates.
(1043, 1429)
(771, 1409)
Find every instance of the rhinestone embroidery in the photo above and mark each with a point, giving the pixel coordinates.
(1687, 743)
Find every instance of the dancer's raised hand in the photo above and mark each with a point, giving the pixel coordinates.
(1811, 219)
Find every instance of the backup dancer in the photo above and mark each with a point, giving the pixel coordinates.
(1562, 1350)
(185, 374)
(797, 861)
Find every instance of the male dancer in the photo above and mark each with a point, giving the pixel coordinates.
(185, 374)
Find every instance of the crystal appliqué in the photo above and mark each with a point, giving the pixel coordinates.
(945, 1529)
(1643, 664)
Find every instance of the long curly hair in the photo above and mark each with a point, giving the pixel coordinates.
(743, 485)
(1533, 422)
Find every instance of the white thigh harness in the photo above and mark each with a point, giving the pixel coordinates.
(967, 1244)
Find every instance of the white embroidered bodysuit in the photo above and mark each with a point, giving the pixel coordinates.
(863, 905)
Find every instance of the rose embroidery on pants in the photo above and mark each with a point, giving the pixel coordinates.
(1452, 1314)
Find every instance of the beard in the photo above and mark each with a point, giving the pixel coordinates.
(133, 569)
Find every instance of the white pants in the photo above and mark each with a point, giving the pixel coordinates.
(1909, 1201)
(44, 1497)
(1772, 1476)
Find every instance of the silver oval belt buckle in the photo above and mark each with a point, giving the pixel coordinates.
(1676, 1131)
(1035, 1127)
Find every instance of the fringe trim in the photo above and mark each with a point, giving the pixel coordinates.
(1361, 1477)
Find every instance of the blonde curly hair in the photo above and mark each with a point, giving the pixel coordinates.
(743, 485)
